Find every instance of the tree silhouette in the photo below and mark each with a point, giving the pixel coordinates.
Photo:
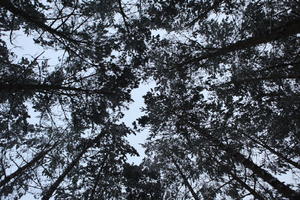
(223, 117)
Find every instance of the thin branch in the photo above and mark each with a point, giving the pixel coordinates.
(124, 16)
(204, 14)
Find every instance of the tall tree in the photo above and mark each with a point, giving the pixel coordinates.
(223, 119)
(231, 81)
(70, 103)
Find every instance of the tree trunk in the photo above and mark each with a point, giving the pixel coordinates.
(45, 87)
(92, 194)
(185, 179)
(240, 158)
(236, 178)
(21, 170)
(246, 186)
(7, 4)
(60, 179)
(261, 143)
(55, 185)
(241, 182)
(290, 28)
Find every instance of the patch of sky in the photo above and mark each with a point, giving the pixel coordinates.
(132, 114)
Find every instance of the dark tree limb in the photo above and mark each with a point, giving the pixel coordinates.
(30, 164)
(258, 171)
(185, 179)
(18, 87)
(8, 5)
(88, 144)
(289, 28)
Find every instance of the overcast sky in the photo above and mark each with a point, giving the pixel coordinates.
(132, 114)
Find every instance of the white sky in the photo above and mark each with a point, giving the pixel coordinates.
(132, 114)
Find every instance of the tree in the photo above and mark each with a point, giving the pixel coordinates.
(142, 182)
(224, 117)
(229, 88)
(76, 138)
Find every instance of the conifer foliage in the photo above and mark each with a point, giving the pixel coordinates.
(223, 119)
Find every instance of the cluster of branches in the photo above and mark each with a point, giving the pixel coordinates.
(60, 132)
(224, 117)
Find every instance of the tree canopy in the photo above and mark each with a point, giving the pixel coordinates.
(223, 119)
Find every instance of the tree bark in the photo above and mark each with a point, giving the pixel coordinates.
(185, 179)
(21, 170)
(55, 185)
(97, 179)
(261, 143)
(246, 186)
(290, 28)
(261, 173)
(48, 194)
(236, 178)
(241, 182)
(7, 4)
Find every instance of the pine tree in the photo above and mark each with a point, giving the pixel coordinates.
(228, 86)
(76, 144)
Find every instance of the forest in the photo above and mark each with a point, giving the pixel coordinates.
(223, 117)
